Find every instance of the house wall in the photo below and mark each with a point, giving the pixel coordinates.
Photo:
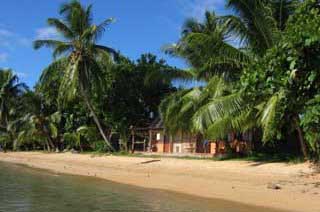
(157, 140)
(183, 143)
(187, 143)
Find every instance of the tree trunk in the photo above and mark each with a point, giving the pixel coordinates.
(48, 146)
(5, 146)
(303, 145)
(50, 139)
(15, 145)
(51, 143)
(96, 120)
(133, 142)
(81, 149)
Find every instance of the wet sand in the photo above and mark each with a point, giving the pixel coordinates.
(250, 183)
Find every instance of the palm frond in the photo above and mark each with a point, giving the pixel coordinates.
(70, 83)
(108, 50)
(101, 28)
(62, 49)
(61, 27)
(47, 43)
(257, 16)
(217, 109)
(268, 116)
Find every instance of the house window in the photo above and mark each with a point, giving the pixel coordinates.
(158, 136)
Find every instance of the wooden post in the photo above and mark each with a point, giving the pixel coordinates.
(170, 143)
(150, 141)
(132, 139)
(181, 142)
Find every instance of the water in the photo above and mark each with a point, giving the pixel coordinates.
(24, 189)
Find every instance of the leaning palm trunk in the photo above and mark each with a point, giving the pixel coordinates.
(96, 119)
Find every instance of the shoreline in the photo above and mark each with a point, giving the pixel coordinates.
(238, 181)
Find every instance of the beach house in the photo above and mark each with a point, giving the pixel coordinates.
(155, 139)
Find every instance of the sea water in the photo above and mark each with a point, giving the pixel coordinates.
(24, 189)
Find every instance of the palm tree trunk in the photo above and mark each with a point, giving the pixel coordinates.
(48, 146)
(96, 120)
(5, 146)
(303, 145)
(50, 142)
(15, 145)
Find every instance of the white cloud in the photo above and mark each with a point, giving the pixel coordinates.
(10, 39)
(3, 57)
(197, 8)
(5, 33)
(47, 33)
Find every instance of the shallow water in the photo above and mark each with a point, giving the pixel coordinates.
(24, 189)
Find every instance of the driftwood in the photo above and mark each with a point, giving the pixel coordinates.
(150, 161)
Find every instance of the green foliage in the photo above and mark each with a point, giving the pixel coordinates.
(205, 46)
(136, 91)
(277, 78)
(311, 126)
(287, 76)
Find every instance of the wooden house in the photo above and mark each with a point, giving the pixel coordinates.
(157, 140)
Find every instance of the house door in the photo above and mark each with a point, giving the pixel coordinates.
(166, 144)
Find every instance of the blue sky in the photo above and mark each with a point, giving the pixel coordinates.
(141, 26)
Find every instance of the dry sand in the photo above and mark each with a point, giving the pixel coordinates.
(239, 181)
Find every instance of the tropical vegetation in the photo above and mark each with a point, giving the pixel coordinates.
(259, 67)
(272, 80)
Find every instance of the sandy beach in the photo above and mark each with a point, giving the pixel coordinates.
(245, 182)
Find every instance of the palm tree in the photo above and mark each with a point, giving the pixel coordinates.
(212, 46)
(84, 60)
(10, 88)
(10, 134)
(206, 47)
(213, 110)
(257, 24)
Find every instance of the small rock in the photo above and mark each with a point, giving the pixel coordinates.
(274, 186)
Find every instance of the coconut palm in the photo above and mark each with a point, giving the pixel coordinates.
(257, 23)
(201, 110)
(84, 60)
(10, 88)
(206, 47)
(212, 47)
(10, 134)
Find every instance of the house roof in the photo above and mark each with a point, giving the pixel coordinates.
(156, 124)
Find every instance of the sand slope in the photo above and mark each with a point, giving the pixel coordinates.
(245, 182)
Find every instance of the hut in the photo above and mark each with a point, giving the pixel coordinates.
(180, 143)
(158, 140)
